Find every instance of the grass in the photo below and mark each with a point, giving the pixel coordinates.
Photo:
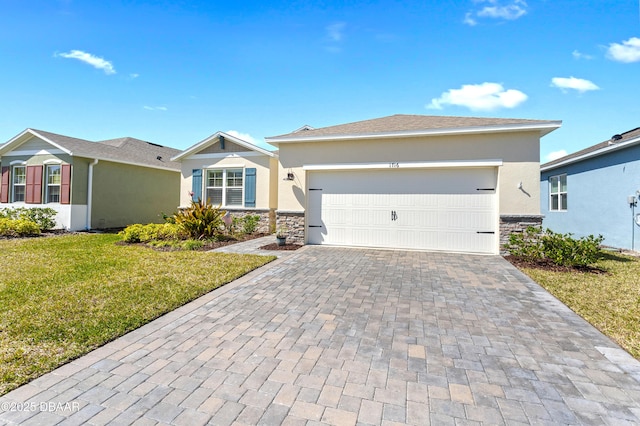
(610, 301)
(61, 297)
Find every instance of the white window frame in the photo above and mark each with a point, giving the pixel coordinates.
(225, 187)
(49, 185)
(14, 184)
(559, 193)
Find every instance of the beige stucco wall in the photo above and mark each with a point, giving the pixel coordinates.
(518, 151)
(124, 194)
(266, 176)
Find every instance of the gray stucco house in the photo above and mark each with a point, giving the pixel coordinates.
(595, 191)
(91, 185)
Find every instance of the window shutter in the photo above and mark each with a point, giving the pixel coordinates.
(65, 184)
(196, 184)
(4, 185)
(250, 187)
(34, 185)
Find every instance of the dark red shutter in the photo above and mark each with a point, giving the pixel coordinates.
(4, 185)
(34, 185)
(65, 184)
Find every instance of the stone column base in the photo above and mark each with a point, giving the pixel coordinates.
(294, 224)
(510, 224)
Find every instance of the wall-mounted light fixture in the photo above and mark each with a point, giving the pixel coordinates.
(290, 175)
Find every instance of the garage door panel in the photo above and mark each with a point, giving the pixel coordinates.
(422, 209)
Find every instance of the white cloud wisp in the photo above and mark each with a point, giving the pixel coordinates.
(555, 155)
(579, 84)
(480, 97)
(90, 59)
(244, 136)
(627, 52)
(494, 9)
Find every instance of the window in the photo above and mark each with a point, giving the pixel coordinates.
(53, 183)
(19, 183)
(225, 187)
(558, 193)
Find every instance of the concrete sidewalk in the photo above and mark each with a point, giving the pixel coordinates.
(348, 336)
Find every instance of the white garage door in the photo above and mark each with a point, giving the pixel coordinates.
(432, 209)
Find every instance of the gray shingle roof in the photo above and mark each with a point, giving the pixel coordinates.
(626, 136)
(123, 150)
(405, 123)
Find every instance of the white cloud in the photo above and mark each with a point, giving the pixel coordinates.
(496, 9)
(133, 75)
(90, 59)
(157, 108)
(579, 84)
(627, 52)
(480, 97)
(580, 55)
(555, 155)
(244, 136)
(335, 31)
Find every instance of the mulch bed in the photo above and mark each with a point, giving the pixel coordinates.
(275, 246)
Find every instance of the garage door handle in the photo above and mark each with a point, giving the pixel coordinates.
(394, 215)
(485, 232)
(315, 226)
(485, 189)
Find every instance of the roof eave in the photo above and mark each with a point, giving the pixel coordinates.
(596, 153)
(544, 128)
(213, 139)
(16, 141)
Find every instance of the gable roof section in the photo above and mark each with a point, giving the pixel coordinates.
(627, 139)
(215, 138)
(401, 125)
(123, 150)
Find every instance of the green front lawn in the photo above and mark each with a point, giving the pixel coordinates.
(610, 301)
(61, 297)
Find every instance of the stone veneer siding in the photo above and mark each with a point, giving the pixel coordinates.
(510, 224)
(293, 222)
(267, 218)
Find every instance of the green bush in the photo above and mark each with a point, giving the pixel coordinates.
(534, 245)
(201, 220)
(192, 245)
(18, 227)
(138, 233)
(44, 217)
(250, 223)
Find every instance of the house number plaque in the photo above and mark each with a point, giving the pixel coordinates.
(394, 165)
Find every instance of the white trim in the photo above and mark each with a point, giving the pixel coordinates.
(601, 151)
(225, 166)
(16, 141)
(35, 152)
(544, 128)
(214, 139)
(404, 165)
(52, 161)
(18, 163)
(225, 155)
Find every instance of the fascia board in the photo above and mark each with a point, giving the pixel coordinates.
(213, 139)
(601, 151)
(18, 140)
(543, 128)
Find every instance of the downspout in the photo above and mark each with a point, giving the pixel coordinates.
(90, 193)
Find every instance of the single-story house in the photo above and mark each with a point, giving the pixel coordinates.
(410, 181)
(595, 191)
(91, 185)
(230, 172)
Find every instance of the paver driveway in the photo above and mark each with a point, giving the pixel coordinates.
(345, 336)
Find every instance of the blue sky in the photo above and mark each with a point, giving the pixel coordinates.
(175, 72)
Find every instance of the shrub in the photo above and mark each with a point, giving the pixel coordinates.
(192, 245)
(534, 245)
(250, 223)
(18, 227)
(44, 217)
(201, 220)
(138, 233)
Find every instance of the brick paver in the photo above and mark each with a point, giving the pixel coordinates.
(348, 336)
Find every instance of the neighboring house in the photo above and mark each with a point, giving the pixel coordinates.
(235, 174)
(593, 191)
(91, 185)
(410, 181)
